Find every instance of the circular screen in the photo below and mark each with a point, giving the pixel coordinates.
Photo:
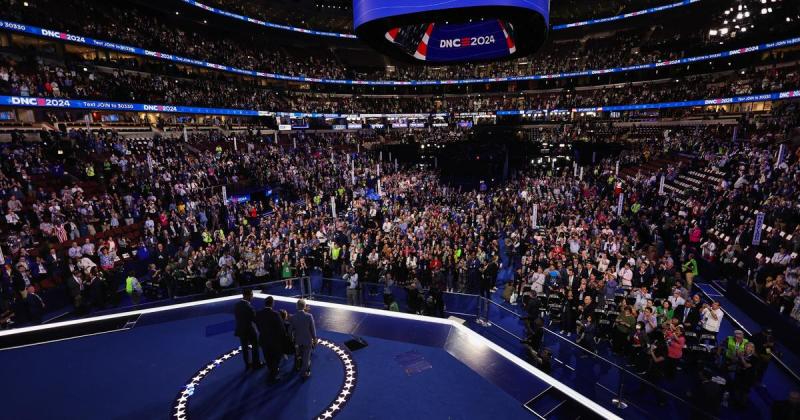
(452, 31)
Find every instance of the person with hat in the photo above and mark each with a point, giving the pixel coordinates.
(734, 346)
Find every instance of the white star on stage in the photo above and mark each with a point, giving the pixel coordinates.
(336, 405)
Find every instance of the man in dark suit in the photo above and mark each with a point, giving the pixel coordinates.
(688, 315)
(272, 337)
(245, 318)
(305, 335)
(53, 263)
(34, 305)
(75, 289)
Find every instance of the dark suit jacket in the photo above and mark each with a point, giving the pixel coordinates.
(52, 264)
(272, 331)
(35, 307)
(692, 318)
(73, 286)
(303, 327)
(245, 317)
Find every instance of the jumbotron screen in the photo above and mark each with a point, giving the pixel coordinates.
(452, 31)
(445, 42)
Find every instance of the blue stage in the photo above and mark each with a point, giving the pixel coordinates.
(180, 362)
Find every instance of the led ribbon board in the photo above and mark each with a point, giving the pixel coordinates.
(35, 102)
(127, 49)
(452, 31)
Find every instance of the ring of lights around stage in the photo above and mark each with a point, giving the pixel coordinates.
(179, 408)
(452, 31)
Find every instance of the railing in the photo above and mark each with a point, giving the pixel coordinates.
(597, 375)
(604, 379)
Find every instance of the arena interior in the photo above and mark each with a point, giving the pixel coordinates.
(369, 209)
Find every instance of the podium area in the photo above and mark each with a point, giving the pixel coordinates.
(182, 362)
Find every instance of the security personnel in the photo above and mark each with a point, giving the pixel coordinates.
(133, 288)
(336, 252)
(734, 345)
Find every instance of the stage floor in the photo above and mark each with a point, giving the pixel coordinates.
(409, 369)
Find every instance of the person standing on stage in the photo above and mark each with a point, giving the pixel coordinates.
(271, 337)
(245, 318)
(305, 336)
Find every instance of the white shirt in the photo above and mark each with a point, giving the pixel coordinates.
(708, 322)
(781, 259)
(626, 274)
(352, 280)
(538, 282)
(75, 252)
(12, 219)
(676, 301)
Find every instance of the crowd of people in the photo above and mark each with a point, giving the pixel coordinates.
(401, 226)
(39, 79)
(170, 34)
(338, 17)
(94, 219)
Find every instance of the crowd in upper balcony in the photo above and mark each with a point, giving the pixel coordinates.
(254, 50)
(37, 78)
(338, 16)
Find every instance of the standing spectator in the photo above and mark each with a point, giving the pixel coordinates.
(353, 286)
(711, 319)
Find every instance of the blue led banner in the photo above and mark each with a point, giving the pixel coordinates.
(623, 16)
(32, 102)
(33, 30)
(776, 96)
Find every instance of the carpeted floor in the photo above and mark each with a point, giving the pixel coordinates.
(137, 374)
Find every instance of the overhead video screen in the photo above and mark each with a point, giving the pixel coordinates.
(452, 31)
(456, 42)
